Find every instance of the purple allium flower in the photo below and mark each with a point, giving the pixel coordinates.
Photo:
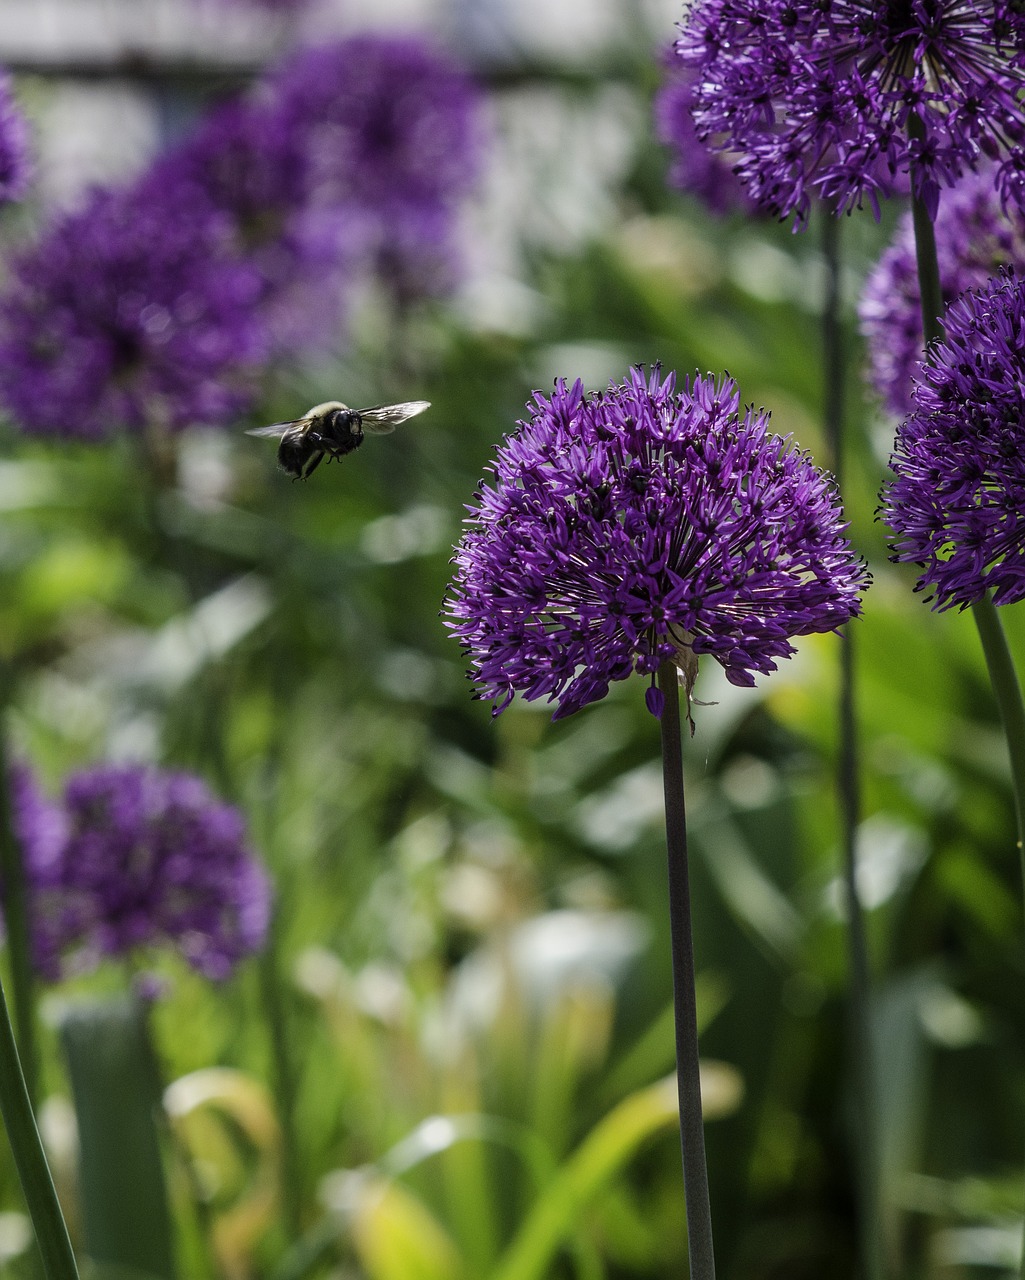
(392, 133)
(127, 313)
(137, 858)
(837, 100)
(975, 238)
(696, 169)
(246, 164)
(643, 523)
(40, 827)
(383, 119)
(957, 505)
(15, 167)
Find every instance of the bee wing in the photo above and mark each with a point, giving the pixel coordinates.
(276, 430)
(382, 418)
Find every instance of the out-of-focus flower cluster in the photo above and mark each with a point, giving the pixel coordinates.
(15, 165)
(640, 524)
(696, 168)
(843, 101)
(975, 238)
(159, 303)
(129, 315)
(957, 503)
(133, 858)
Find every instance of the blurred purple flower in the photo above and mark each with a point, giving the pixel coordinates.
(838, 100)
(383, 119)
(41, 828)
(138, 858)
(15, 165)
(270, 6)
(640, 524)
(245, 163)
(696, 168)
(957, 504)
(128, 313)
(392, 133)
(975, 238)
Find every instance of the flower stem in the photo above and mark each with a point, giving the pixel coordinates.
(929, 286)
(849, 797)
(692, 1134)
(1007, 688)
(1002, 674)
(16, 919)
(1004, 679)
(33, 1171)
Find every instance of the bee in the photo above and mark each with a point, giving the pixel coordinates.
(331, 430)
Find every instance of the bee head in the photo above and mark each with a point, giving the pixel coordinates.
(343, 423)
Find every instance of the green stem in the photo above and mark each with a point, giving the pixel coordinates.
(692, 1133)
(285, 1088)
(16, 920)
(33, 1171)
(1004, 679)
(1002, 674)
(848, 793)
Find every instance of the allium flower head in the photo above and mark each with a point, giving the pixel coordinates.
(392, 133)
(975, 238)
(644, 523)
(246, 165)
(696, 168)
(244, 161)
(15, 167)
(138, 858)
(838, 100)
(957, 505)
(383, 119)
(129, 312)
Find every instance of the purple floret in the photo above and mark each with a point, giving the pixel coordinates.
(129, 312)
(975, 238)
(642, 523)
(957, 505)
(137, 858)
(842, 101)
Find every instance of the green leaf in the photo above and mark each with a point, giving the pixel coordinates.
(591, 1169)
(396, 1236)
(116, 1094)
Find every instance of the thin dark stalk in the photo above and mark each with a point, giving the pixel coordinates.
(1006, 686)
(692, 1133)
(929, 285)
(34, 1173)
(16, 920)
(849, 798)
(1002, 673)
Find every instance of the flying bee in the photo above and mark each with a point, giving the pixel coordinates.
(331, 430)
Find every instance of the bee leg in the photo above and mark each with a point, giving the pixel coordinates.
(314, 463)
